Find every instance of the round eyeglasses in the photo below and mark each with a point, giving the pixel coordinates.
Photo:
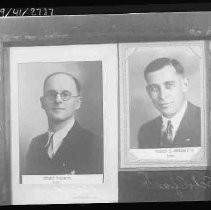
(64, 95)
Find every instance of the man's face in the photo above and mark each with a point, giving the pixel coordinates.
(57, 109)
(167, 89)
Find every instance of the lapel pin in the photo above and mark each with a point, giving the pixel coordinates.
(72, 172)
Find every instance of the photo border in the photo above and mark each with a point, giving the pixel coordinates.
(77, 193)
(129, 161)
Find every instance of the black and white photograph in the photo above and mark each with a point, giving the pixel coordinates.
(163, 93)
(60, 135)
(64, 146)
(104, 106)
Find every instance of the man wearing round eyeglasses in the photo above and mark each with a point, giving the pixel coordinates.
(66, 148)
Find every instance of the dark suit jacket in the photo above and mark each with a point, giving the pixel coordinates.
(81, 152)
(188, 133)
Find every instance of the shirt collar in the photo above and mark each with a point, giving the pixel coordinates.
(60, 134)
(176, 119)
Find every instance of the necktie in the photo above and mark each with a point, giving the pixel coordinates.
(167, 138)
(50, 147)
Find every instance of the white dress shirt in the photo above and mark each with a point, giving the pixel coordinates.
(175, 120)
(57, 138)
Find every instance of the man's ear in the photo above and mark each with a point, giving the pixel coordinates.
(78, 102)
(185, 84)
(42, 102)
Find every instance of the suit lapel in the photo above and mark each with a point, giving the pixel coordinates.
(156, 132)
(44, 142)
(68, 146)
(183, 131)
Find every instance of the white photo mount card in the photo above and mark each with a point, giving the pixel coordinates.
(161, 84)
(70, 91)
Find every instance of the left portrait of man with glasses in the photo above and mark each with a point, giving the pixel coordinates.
(66, 147)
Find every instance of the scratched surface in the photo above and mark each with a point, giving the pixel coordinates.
(164, 186)
(106, 28)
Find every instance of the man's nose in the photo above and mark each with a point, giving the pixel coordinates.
(163, 93)
(58, 98)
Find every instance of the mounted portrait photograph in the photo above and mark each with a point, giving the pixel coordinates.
(60, 111)
(64, 95)
(163, 104)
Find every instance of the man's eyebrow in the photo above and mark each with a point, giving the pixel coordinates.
(57, 91)
(169, 82)
(50, 90)
(158, 85)
(154, 84)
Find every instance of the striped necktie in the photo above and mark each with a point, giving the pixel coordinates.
(167, 138)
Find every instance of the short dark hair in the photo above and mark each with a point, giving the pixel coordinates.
(77, 83)
(159, 63)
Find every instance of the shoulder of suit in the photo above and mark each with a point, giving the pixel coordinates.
(39, 139)
(82, 131)
(90, 136)
(151, 123)
(85, 135)
(149, 128)
(193, 112)
(193, 107)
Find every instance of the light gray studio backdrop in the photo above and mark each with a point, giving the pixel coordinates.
(32, 118)
(140, 105)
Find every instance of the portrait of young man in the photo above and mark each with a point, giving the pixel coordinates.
(64, 142)
(179, 120)
(66, 147)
